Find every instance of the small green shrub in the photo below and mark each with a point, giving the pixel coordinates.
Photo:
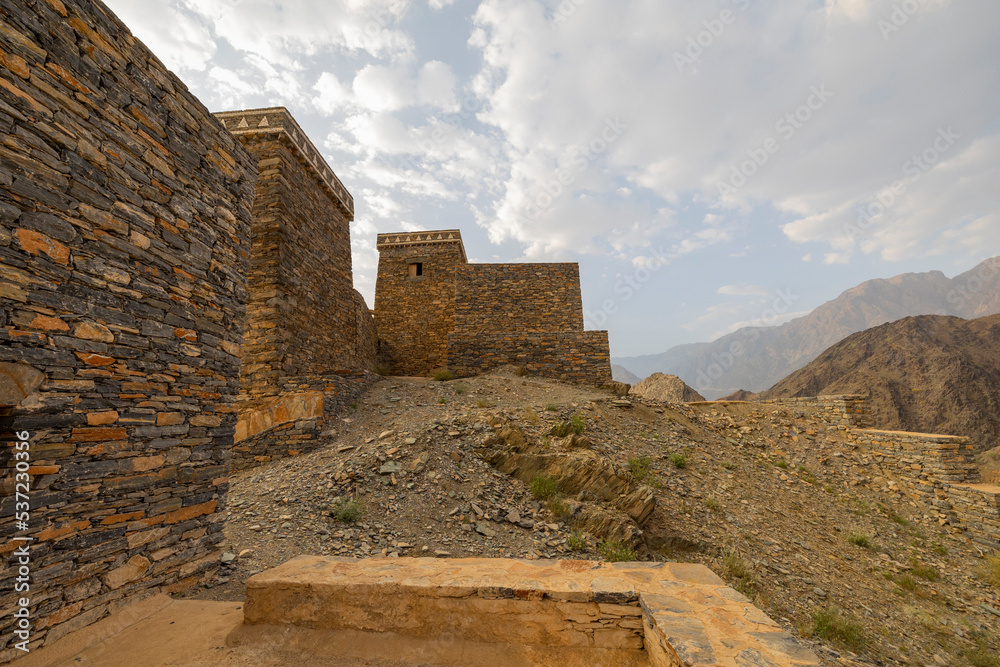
(940, 550)
(990, 571)
(835, 626)
(576, 542)
(896, 518)
(983, 655)
(561, 430)
(639, 467)
(679, 460)
(442, 400)
(443, 375)
(907, 583)
(863, 540)
(738, 572)
(460, 389)
(544, 487)
(483, 403)
(616, 552)
(354, 405)
(924, 571)
(579, 424)
(782, 463)
(713, 504)
(729, 465)
(553, 407)
(347, 511)
(558, 507)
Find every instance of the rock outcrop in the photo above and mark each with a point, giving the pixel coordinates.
(666, 388)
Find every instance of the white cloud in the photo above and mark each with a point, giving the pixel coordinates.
(743, 290)
(188, 44)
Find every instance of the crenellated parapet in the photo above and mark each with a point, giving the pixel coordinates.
(278, 121)
(414, 239)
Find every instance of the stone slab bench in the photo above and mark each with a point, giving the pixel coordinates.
(540, 612)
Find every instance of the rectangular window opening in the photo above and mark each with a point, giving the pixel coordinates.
(416, 269)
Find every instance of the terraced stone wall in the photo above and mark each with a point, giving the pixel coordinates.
(304, 316)
(940, 471)
(124, 248)
(847, 410)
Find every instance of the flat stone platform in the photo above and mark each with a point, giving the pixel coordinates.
(400, 612)
(518, 612)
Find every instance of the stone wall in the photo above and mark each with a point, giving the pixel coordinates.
(304, 316)
(532, 612)
(294, 422)
(842, 411)
(415, 314)
(124, 246)
(581, 356)
(941, 472)
(526, 298)
(435, 310)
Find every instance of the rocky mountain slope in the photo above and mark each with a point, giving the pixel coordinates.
(622, 374)
(755, 358)
(930, 374)
(787, 510)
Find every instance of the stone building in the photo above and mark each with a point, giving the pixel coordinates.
(304, 317)
(433, 309)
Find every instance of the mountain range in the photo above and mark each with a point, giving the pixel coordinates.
(755, 358)
(929, 374)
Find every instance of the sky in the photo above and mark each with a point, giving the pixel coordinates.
(709, 164)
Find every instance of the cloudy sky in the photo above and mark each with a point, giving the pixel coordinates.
(701, 160)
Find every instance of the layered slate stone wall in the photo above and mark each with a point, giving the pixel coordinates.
(839, 410)
(415, 314)
(941, 472)
(304, 316)
(526, 298)
(295, 422)
(124, 247)
(472, 318)
(581, 356)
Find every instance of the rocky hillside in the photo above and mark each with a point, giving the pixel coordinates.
(667, 388)
(768, 354)
(786, 509)
(930, 374)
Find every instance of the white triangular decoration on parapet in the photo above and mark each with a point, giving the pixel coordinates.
(243, 123)
(263, 122)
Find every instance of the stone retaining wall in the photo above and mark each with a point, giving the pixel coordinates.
(941, 472)
(581, 356)
(845, 410)
(124, 247)
(293, 422)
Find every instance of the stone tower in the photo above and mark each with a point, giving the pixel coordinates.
(304, 316)
(415, 298)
